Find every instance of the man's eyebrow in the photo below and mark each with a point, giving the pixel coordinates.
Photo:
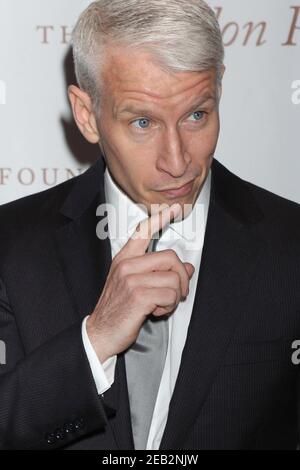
(136, 109)
(202, 99)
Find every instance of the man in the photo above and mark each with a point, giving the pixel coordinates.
(121, 343)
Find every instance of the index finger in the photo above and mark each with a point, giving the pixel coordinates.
(140, 239)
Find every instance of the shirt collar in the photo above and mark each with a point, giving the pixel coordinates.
(129, 214)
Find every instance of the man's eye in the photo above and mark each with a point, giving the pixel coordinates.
(198, 115)
(142, 123)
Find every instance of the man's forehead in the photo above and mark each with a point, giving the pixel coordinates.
(140, 106)
(136, 73)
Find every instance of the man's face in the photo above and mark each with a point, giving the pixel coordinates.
(158, 130)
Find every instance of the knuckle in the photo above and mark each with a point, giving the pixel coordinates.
(173, 296)
(122, 268)
(137, 293)
(129, 282)
(175, 277)
(172, 253)
(176, 258)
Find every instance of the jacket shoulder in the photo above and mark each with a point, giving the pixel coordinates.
(279, 217)
(281, 223)
(36, 208)
(273, 204)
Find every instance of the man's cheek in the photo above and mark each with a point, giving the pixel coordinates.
(204, 148)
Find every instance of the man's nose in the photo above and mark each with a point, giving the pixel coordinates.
(173, 157)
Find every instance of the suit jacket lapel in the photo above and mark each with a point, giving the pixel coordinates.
(230, 257)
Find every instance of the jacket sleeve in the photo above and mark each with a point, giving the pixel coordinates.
(48, 398)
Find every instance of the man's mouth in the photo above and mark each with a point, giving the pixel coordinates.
(178, 192)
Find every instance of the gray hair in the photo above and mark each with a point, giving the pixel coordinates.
(181, 35)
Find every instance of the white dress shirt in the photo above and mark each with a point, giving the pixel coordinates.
(186, 239)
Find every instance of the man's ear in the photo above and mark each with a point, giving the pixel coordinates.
(83, 113)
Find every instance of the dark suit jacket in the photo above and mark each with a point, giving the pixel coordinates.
(237, 387)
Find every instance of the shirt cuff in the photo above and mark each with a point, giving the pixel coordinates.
(104, 374)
